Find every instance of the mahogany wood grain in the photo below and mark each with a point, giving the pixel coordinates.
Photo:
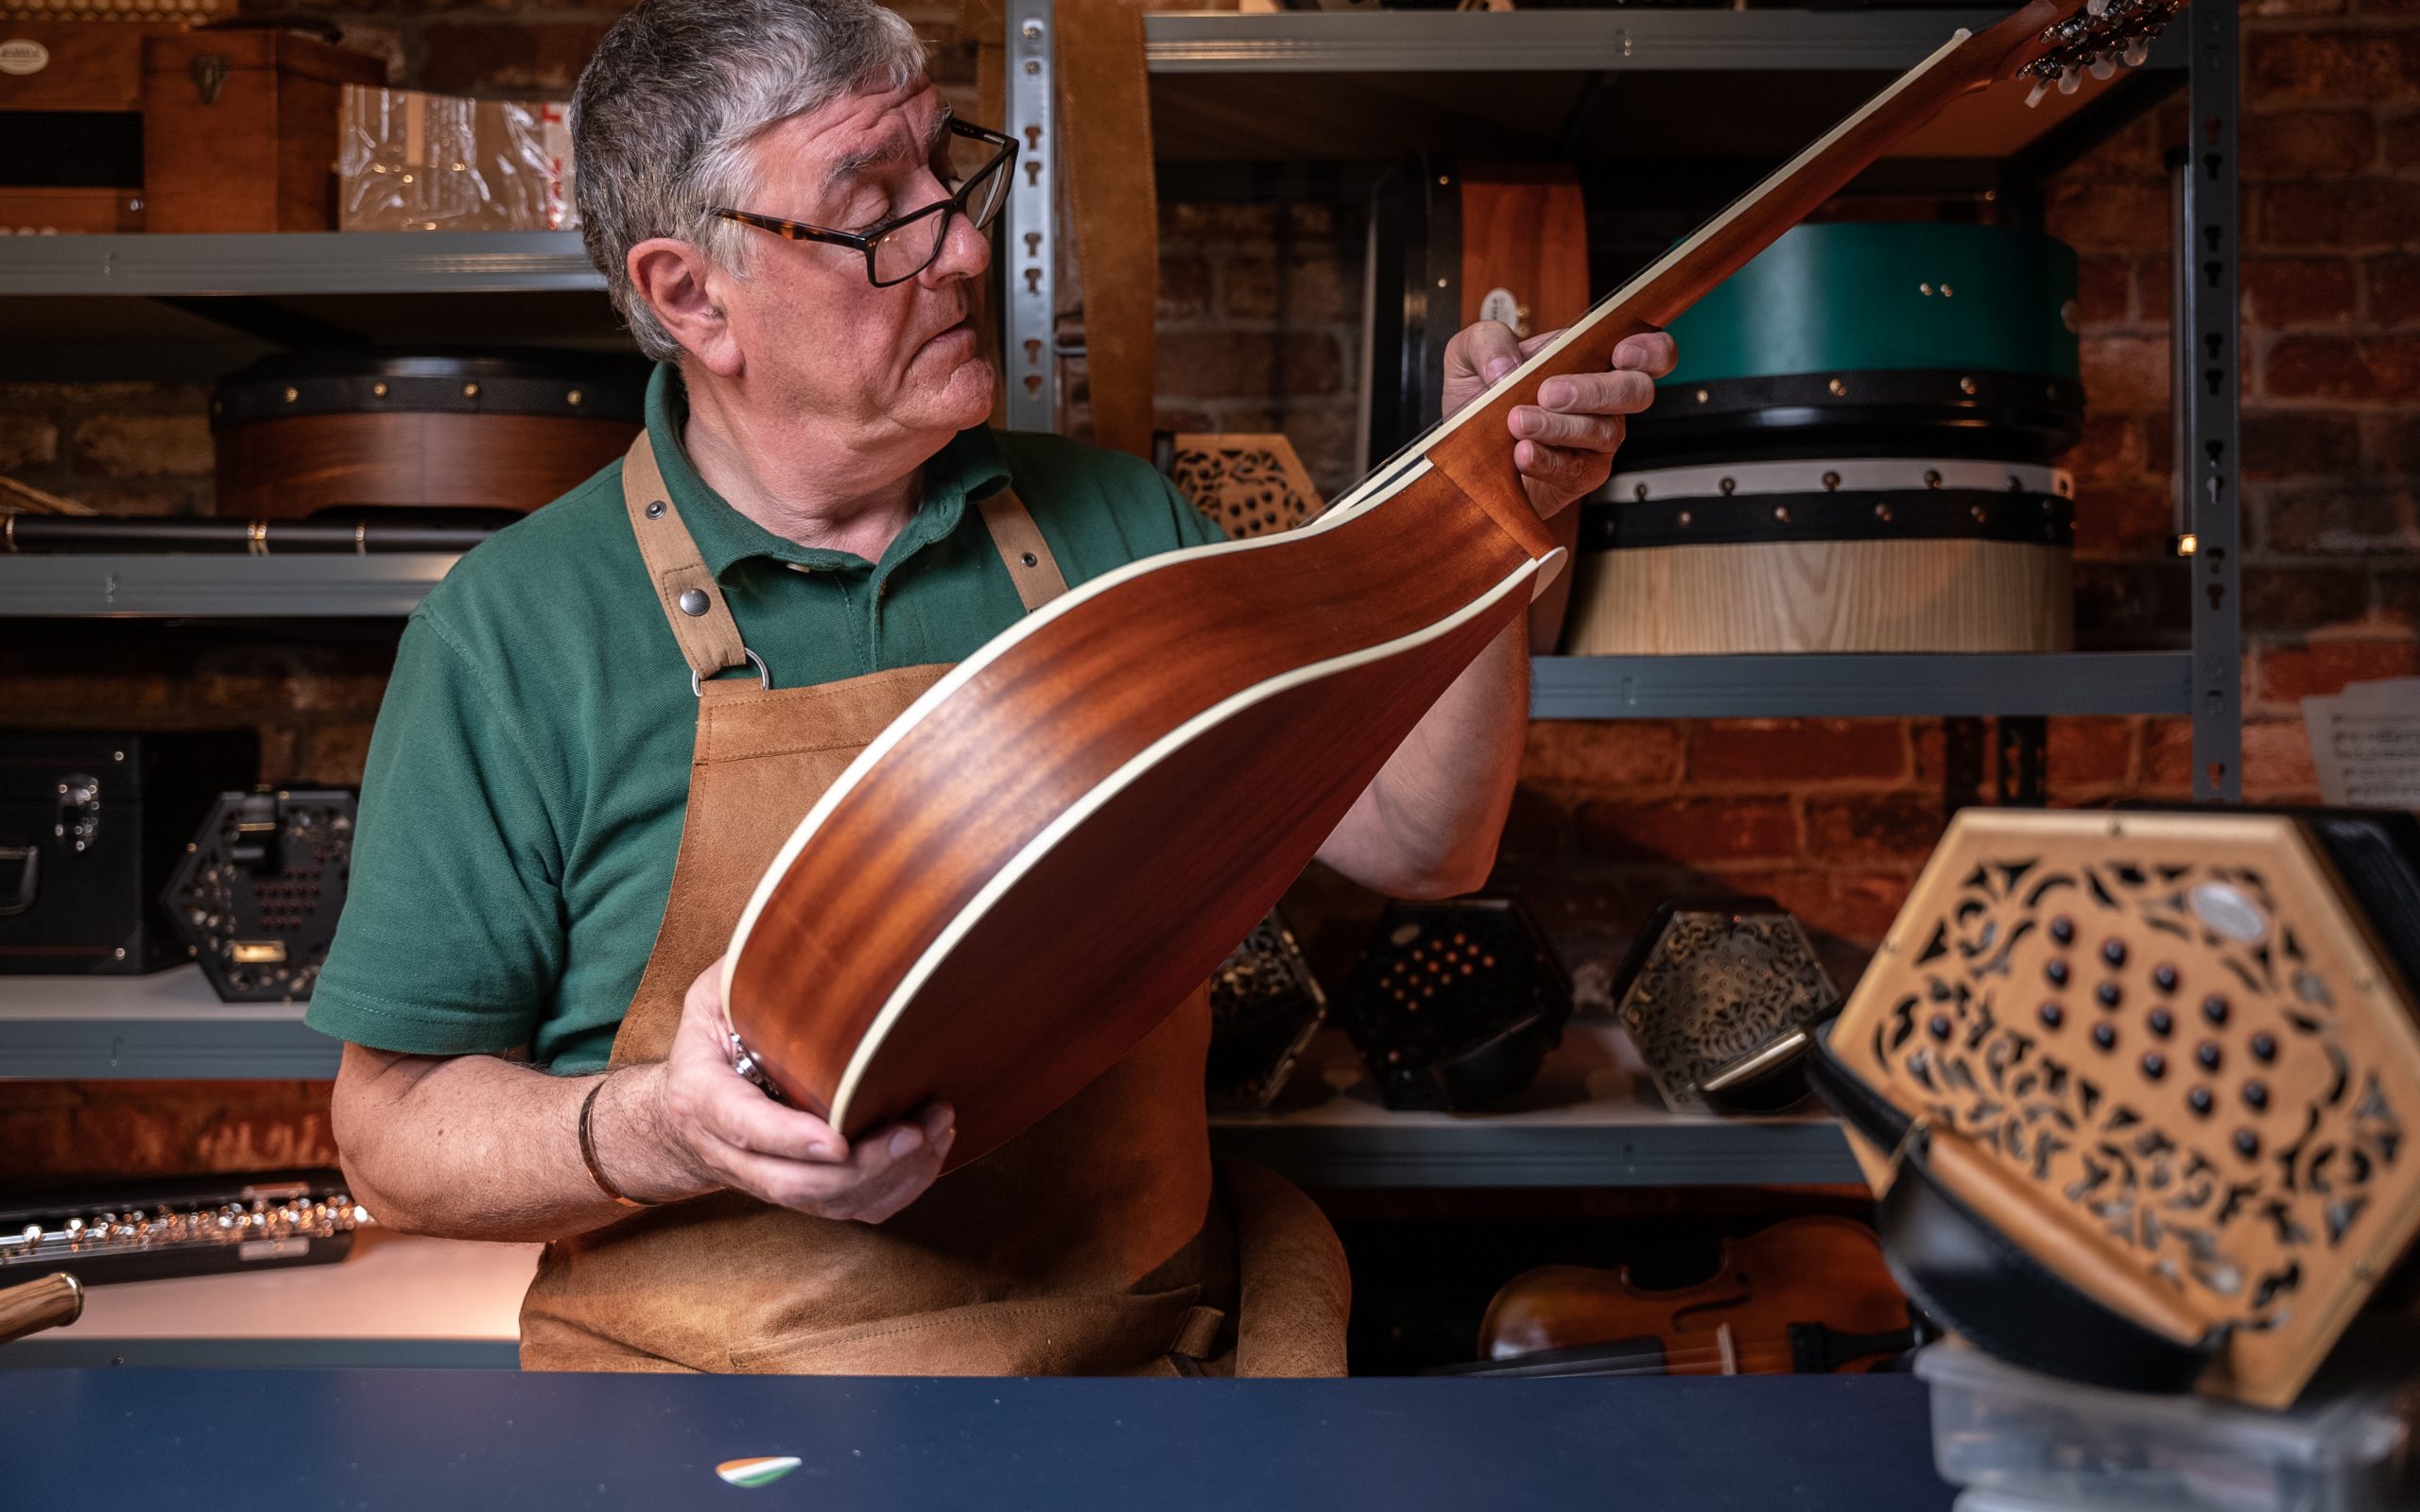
(1825, 595)
(53, 1302)
(907, 850)
(260, 154)
(286, 468)
(95, 65)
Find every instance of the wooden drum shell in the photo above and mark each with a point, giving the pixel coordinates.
(285, 469)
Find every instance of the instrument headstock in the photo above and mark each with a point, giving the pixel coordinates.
(2058, 42)
(2055, 43)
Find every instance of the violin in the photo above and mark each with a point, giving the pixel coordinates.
(1806, 1296)
(1048, 851)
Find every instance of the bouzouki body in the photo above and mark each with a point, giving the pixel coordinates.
(1044, 855)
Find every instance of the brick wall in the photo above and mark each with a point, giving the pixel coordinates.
(1259, 326)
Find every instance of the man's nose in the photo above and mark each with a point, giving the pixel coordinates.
(965, 252)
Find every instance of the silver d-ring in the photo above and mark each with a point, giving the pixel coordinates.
(764, 677)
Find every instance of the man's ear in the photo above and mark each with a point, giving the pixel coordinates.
(673, 278)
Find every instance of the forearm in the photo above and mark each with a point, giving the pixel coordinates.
(1428, 825)
(476, 1147)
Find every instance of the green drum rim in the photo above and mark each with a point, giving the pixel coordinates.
(1875, 295)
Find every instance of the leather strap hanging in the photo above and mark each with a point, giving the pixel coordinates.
(693, 602)
(1028, 556)
(1105, 146)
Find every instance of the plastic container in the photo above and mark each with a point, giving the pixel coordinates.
(2018, 1440)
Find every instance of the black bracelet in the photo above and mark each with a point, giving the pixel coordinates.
(588, 1150)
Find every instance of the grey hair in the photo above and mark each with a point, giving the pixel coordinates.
(664, 111)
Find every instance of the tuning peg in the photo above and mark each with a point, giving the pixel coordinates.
(2069, 81)
(2137, 51)
(2034, 95)
(2104, 65)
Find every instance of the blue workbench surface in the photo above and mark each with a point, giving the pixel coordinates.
(464, 1440)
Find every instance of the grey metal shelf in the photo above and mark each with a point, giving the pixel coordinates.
(163, 587)
(164, 1025)
(298, 262)
(1630, 39)
(1591, 1119)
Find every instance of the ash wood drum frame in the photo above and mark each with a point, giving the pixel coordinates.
(1046, 853)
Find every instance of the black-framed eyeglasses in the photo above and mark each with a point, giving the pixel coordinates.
(901, 247)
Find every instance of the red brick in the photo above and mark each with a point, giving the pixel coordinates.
(1692, 830)
(2104, 289)
(1244, 365)
(1874, 827)
(2298, 291)
(545, 56)
(2125, 372)
(2291, 673)
(2313, 64)
(25, 441)
(1602, 754)
(2276, 760)
(2381, 370)
(1862, 905)
(1185, 287)
(2392, 442)
(2089, 754)
(2111, 449)
(1189, 223)
(2286, 143)
(1321, 283)
(334, 754)
(2125, 605)
(2108, 214)
(2398, 596)
(2334, 214)
(134, 446)
(2294, 8)
(2401, 137)
(2395, 288)
(1791, 751)
(2348, 517)
(2299, 443)
(2299, 599)
(1536, 829)
(2123, 519)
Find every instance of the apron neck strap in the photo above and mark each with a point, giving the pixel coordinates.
(693, 602)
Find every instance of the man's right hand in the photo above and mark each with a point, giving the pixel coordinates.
(708, 1128)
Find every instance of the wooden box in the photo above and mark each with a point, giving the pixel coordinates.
(239, 130)
(74, 65)
(45, 211)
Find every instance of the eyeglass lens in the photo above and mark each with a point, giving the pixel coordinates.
(902, 253)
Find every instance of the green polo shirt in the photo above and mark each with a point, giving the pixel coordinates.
(526, 784)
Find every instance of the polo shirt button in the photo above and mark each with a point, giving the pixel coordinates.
(693, 602)
(798, 566)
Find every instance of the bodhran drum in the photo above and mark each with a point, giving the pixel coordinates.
(1840, 554)
(302, 431)
(1873, 339)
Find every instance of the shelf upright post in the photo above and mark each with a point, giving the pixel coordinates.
(1029, 365)
(2210, 467)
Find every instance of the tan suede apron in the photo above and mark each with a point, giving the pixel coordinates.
(1096, 1242)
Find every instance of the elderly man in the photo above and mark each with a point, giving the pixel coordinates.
(566, 807)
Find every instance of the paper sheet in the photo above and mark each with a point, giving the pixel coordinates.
(2366, 742)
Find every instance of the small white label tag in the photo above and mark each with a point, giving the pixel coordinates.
(1501, 306)
(22, 54)
(252, 1249)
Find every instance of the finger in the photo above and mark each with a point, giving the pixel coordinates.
(1598, 393)
(1538, 343)
(1486, 350)
(1559, 467)
(1598, 433)
(737, 1114)
(1651, 352)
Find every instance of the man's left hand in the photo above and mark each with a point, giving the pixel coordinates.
(1565, 443)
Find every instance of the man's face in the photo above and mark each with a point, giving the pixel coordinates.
(819, 339)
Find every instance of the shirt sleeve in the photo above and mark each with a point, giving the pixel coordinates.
(452, 938)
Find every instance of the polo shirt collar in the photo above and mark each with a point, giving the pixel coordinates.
(969, 467)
